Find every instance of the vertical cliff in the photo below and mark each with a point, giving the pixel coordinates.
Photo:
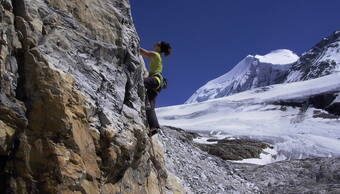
(72, 115)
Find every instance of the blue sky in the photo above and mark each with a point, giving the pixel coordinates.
(210, 37)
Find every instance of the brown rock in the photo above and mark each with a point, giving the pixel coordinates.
(29, 43)
(76, 106)
(22, 27)
(6, 137)
(13, 115)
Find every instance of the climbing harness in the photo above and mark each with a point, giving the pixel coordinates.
(161, 80)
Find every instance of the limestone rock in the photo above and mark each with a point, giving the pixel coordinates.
(72, 111)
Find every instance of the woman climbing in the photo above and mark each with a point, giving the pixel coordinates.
(155, 81)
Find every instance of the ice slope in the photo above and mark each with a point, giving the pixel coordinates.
(251, 72)
(294, 132)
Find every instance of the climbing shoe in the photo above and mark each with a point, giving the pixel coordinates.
(153, 132)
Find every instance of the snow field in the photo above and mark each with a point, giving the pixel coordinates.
(294, 133)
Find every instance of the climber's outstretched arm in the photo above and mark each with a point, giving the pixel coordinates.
(147, 54)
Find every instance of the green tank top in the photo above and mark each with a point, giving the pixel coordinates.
(156, 66)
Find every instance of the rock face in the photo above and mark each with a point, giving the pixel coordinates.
(72, 115)
(323, 59)
(252, 72)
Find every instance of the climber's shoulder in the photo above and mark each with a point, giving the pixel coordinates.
(148, 54)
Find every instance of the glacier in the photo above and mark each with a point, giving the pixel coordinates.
(294, 132)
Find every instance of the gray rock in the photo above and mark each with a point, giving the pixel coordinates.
(319, 175)
(318, 61)
(72, 101)
(204, 173)
(199, 171)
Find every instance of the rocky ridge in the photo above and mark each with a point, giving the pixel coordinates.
(72, 115)
(322, 59)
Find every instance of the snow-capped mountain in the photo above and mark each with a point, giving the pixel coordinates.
(251, 72)
(323, 59)
(283, 115)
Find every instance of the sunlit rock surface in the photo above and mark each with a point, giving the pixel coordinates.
(72, 101)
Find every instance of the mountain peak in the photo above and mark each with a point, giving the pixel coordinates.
(278, 57)
(250, 72)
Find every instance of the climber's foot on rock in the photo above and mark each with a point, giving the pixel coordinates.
(153, 131)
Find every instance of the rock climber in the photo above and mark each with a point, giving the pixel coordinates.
(155, 82)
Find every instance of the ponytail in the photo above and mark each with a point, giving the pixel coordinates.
(165, 48)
